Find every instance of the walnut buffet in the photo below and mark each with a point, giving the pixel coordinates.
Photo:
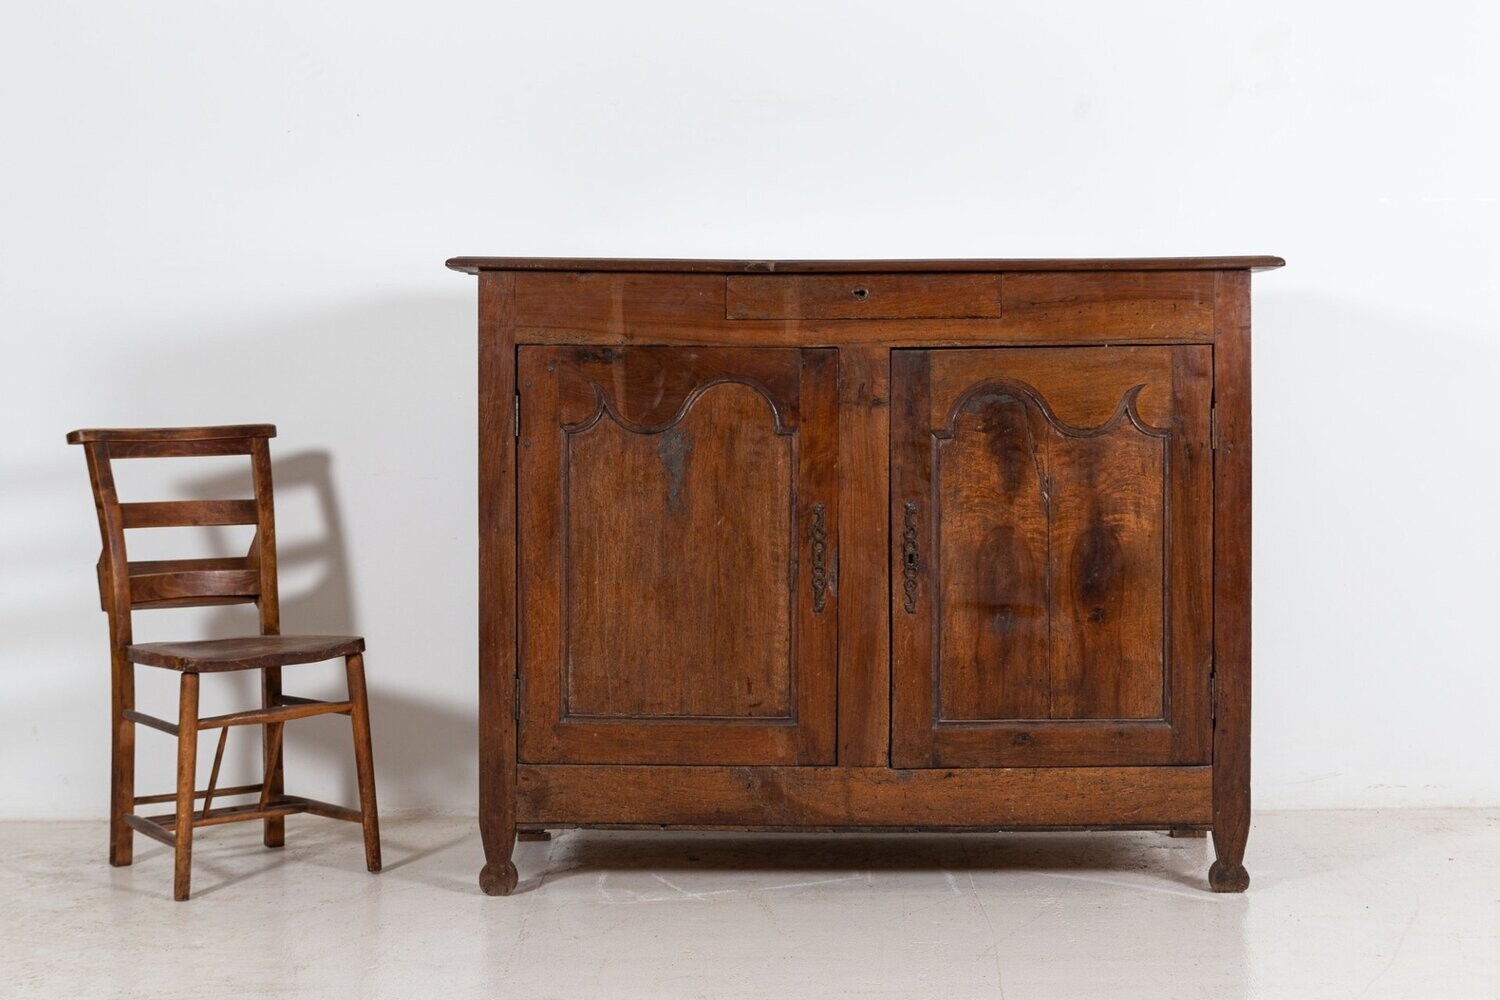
(816, 545)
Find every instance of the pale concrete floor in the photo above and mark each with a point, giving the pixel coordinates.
(1342, 904)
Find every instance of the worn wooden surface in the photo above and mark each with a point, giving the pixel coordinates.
(867, 797)
(245, 653)
(1049, 627)
(862, 579)
(1231, 603)
(364, 758)
(473, 265)
(606, 308)
(1046, 511)
(668, 503)
(862, 296)
(126, 585)
(498, 636)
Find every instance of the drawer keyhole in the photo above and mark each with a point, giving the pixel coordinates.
(860, 293)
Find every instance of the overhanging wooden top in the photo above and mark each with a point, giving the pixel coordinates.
(473, 265)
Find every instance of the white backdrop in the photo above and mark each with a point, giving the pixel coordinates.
(225, 212)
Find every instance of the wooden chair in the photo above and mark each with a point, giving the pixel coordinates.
(176, 583)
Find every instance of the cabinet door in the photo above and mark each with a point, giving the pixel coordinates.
(1052, 565)
(678, 536)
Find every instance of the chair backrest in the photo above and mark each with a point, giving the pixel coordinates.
(178, 583)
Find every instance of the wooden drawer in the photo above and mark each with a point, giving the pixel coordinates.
(863, 296)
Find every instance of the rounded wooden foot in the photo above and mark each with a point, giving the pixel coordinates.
(1228, 878)
(498, 881)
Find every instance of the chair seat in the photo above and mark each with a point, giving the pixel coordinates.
(251, 652)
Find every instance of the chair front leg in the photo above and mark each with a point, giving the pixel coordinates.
(364, 761)
(187, 773)
(273, 774)
(121, 760)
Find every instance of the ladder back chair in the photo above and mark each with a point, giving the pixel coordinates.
(175, 583)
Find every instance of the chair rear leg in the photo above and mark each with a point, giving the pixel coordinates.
(187, 770)
(121, 762)
(272, 757)
(364, 761)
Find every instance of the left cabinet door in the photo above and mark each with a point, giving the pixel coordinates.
(678, 544)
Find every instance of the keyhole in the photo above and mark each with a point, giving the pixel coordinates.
(861, 293)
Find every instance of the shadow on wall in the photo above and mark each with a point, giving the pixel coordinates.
(394, 378)
(374, 395)
(414, 748)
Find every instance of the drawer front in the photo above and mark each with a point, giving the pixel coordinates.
(863, 296)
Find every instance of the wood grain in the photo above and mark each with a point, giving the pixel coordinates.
(666, 505)
(1140, 303)
(182, 513)
(497, 581)
(1045, 630)
(862, 582)
(791, 797)
(187, 760)
(170, 435)
(1028, 560)
(364, 758)
(994, 604)
(1231, 601)
(863, 296)
(691, 572)
(245, 653)
(473, 265)
(126, 585)
(695, 309)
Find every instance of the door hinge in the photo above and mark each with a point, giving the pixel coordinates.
(1213, 428)
(516, 413)
(1213, 698)
(515, 706)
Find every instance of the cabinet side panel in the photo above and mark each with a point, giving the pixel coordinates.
(497, 568)
(1232, 578)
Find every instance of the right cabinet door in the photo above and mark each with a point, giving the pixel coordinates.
(1051, 535)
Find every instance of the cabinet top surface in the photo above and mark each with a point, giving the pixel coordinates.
(473, 265)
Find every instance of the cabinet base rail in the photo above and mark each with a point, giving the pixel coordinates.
(841, 797)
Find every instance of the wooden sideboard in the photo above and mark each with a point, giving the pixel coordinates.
(810, 545)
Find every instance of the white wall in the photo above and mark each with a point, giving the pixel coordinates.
(221, 212)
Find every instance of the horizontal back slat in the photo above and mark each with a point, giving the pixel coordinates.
(180, 449)
(187, 513)
(146, 567)
(191, 587)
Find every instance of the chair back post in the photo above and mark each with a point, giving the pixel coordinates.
(263, 554)
(114, 565)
